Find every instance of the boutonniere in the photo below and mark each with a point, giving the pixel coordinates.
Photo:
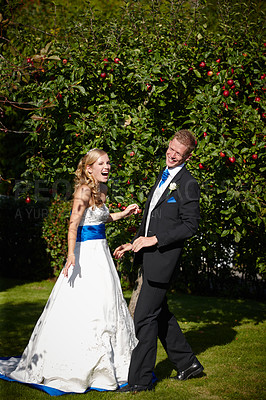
(172, 187)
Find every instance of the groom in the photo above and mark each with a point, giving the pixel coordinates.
(171, 216)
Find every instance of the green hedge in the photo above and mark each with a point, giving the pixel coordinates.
(54, 232)
(23, 250)
(126, 83)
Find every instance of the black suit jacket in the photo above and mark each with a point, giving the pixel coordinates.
(174, 218)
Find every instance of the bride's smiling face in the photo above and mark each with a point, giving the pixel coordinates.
(100, 169)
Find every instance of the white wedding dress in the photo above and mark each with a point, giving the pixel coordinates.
(85, 335)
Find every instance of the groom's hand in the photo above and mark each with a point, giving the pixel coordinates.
(119, 251)
(143, 241)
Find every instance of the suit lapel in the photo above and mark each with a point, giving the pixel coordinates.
(166, 192)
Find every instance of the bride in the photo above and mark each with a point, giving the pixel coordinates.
(85, 335)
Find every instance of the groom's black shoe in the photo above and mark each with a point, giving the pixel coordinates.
(194, 370)
(135, 388)
(124, 389)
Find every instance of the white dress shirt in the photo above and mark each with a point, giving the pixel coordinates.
(159, 191)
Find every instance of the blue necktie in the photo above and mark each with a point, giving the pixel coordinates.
(164, 176)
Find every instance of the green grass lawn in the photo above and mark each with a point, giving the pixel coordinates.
(227, 335)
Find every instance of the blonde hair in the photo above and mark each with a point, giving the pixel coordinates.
(83, 177)
(186, 137)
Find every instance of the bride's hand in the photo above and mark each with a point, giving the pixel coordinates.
(120, 250)
(70, 261)
(131, 209)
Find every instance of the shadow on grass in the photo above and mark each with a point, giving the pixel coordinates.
(200, 340)
(216, 310)
(16, 323)
(211, 322)
(6, 283)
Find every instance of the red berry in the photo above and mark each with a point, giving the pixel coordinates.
(105, 59)
(209, 73)
(132, 154)
(218, 60)
(202, 64)
(263, 115)
(123, 208)
(59, 96)
(226, 93)
(205, 134)
(149, 51)
(64, 61)
(237, 93)
(257, 99)
(128, 182)
(262, 76)
(254, 156)
(232, 159)
(201, 166)
(29, 60)
(230, 82)
(119, 205)
(116, 60)
(103, 75)
(222, 154)
(149, 87)
(28, 199)
(190, 69)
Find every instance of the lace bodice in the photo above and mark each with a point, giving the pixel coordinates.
(94, 217)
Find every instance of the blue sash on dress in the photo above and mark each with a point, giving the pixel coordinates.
(90, 232)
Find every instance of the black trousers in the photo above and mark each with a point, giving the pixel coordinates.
(153, 319)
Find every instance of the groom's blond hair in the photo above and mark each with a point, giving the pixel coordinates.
(187, 138)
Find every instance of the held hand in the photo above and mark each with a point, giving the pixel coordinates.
(119, 251)
(131, 209)
(143, 241)
(70, 261)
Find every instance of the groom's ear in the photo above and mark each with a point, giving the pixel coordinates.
(188, 157)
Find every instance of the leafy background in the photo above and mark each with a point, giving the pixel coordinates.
(124, 76)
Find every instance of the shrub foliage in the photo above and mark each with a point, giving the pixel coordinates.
(126, 81)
